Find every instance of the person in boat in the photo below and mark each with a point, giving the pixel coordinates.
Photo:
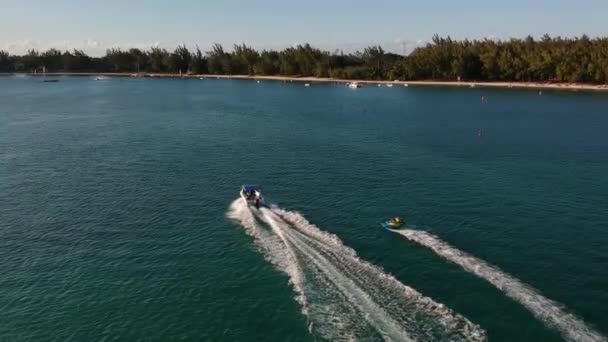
(395, 222)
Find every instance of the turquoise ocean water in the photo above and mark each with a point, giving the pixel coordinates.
(118, 218)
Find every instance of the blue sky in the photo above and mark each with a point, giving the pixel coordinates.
(97, 25)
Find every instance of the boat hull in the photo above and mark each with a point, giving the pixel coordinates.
(387, 226)
(256, 202)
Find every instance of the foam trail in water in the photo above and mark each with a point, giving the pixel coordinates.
(328, 318)
(383, 288)
(346, 298)
(374, 314)
(272, 246)
(551, 313)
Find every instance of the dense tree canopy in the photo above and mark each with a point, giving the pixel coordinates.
(547, 59)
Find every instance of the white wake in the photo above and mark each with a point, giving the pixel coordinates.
(344, 297)
(549, 312)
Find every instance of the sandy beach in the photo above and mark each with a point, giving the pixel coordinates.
(312, 80)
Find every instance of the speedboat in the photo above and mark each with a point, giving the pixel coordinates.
(354, 85)
(393, 223)
(390, 85)
(252, 195)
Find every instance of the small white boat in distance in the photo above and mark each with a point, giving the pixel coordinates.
(354, 85)
(252, 195)
(406, 85)
(307, 84)
(390, 85)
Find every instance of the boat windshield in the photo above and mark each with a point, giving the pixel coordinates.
(250, 188)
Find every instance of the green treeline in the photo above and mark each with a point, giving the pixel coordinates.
(548, 59)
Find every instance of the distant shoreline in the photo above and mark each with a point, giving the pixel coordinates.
(469, 84)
